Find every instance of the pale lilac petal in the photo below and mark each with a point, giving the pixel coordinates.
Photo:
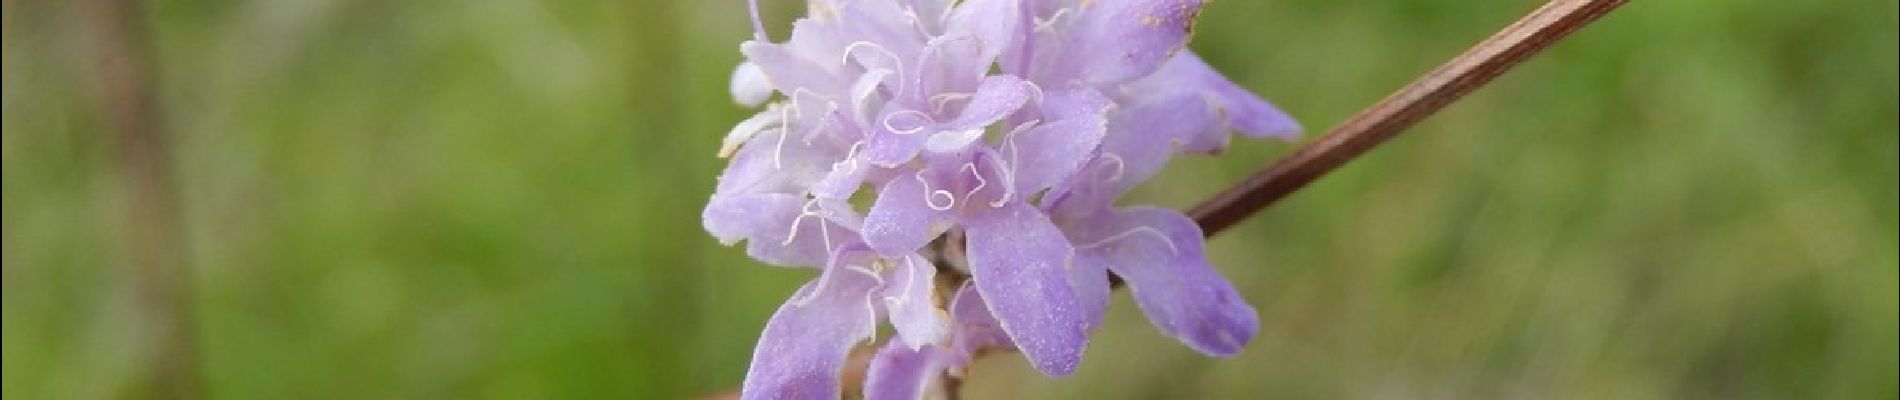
(865, 98)
(1115, 41)
(824, 43)
(845, 178)
(898, 135)
(775, 162)
(910, 299)
(953, 63)
(1089, 276)
(804, 346)
(800, 242)
(1141, 138)
(976, 327)
(997, 97)
(1068, 103)
(1019, 261)
(953, 141)
(996, 24)
(883, 22)
(789, 72)
(752, 168)
(772, 116)
(773, 226)
(840, 213)
(903, 219)
(734, 218)
(1053, 151)
(901, 373)
(1242, 110)
(1158, 252)
(749, 86)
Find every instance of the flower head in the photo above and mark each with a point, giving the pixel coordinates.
(1011, 124)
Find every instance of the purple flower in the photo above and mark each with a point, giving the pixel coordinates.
(1020, 168)
(805, 343)
(901, 372)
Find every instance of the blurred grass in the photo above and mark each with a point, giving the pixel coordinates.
(1690, 199)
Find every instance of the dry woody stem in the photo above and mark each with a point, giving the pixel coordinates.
(1399, 111)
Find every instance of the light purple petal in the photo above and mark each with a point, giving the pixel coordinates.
(790, 72)
(805, 344)
(1068, 103)
(910, 298)
(749, 85)
(1141, 138)
(1242, 110)
(772, 227)
(997, 97)
(754, 169)
(818, 41)
(903, 219)
(1053, 151)
(1019, 262)
(843, 180)
(976, 328)
(996, 24)
(1158, 252)
(901, 373)
(1089, 277)
(897, 135)
(883, 22)
(770, 118)
(953, 63)
(1116, 41)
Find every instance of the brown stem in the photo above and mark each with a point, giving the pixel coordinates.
(1388, 117)
(121, 70)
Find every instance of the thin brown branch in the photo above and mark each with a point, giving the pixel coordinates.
(125, 96)
(1388, 117)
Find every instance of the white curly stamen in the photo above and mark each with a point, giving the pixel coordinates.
(861, 92)
(1036, 91)
(1151, 231)
(824, 229)
(1009, 174)
(772, 117)
(910, 280)
(870, 308)
(823, 282)
(778, 150)
(831, 116)
(797, 110)
(920, 127)
(867, 271)
(850, 161)
(896, 62)
(803, 212)
(950, 200)
(980, 182)
(910, 13)
(941, 100)
(1048, 24)
(1114, 175)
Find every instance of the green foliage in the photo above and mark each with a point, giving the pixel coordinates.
(424, 199)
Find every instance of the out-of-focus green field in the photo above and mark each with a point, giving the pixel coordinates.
(500, 199)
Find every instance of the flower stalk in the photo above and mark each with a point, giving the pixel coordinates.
(1400, 110)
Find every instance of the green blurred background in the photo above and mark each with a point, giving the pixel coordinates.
(500, 199)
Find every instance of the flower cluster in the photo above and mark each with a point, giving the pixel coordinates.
(1006, 127)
